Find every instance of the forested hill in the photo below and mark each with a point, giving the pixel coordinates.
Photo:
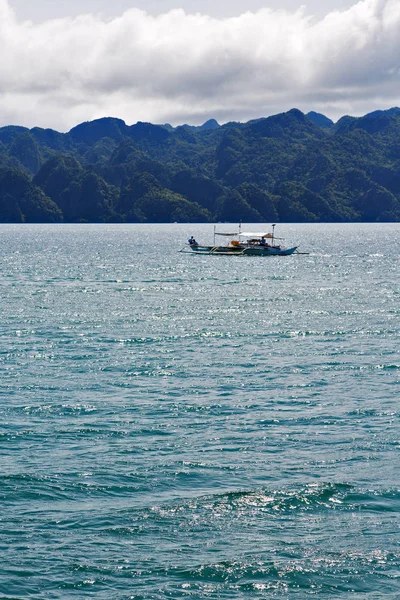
(288, 167)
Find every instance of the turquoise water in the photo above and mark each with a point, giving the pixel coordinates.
(182, 426)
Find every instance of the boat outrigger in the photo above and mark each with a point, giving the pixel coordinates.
(243, 244)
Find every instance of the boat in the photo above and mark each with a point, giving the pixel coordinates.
(246, 243)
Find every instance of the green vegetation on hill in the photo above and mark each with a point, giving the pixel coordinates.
(288, 167)
(23, 202)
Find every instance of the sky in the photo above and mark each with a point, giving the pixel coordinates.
(186, 61)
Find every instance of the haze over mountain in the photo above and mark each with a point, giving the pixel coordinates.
(287, 167)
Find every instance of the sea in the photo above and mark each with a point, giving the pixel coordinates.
(199, 427)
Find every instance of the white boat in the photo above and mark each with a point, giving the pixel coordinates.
(246, 243)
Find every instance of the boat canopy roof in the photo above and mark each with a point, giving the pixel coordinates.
(256, 234)
(227, 234)
(249, 234)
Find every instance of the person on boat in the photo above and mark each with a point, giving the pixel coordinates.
(192, 241)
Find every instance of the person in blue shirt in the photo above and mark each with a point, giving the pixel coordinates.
(192, 241)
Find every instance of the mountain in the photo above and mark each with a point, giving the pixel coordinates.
(286, 167)
(93, 131)
(320, 120)
(210, 124)
(24, 202)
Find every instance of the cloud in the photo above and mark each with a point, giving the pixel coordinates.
(179, 67)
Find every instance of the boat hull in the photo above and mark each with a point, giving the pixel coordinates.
(243, 250)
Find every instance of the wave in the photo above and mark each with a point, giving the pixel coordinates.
(314, 497)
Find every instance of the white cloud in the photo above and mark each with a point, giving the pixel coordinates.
(180, 68)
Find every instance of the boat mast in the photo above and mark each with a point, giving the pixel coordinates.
(214, 236)
(273, 233)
